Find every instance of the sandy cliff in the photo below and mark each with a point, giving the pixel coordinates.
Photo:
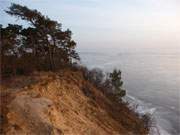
(62, 103)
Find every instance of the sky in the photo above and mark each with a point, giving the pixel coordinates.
(111, 24)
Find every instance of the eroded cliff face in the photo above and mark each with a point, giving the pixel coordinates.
(62, 103)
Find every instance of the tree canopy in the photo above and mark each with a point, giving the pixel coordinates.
(44, 44)
(116, 82)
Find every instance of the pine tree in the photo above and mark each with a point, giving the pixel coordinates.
(115, 78)
(57, 45)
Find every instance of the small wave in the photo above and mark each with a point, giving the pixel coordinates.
(142, 108)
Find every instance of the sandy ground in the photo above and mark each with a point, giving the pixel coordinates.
(49, 103)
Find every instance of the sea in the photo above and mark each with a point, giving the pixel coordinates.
(151, 78)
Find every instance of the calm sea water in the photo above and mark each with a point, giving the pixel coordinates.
(152, 77)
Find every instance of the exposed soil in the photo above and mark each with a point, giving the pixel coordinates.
(64, 102)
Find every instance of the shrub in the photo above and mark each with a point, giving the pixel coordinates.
(107, 85)
(86, 89)
(110, 83)
(96, 76)
(148, 120)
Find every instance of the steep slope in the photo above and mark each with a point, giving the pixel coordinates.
(62, 103)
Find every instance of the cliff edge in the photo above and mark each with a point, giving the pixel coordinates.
(46, 103)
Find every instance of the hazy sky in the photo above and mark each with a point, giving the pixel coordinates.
(112, 23)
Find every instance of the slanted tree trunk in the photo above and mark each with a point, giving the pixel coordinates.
(53, 52)
(14, 64)
(50, 57)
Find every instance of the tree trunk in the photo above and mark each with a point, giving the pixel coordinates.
(50, 58)
(53, 52)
